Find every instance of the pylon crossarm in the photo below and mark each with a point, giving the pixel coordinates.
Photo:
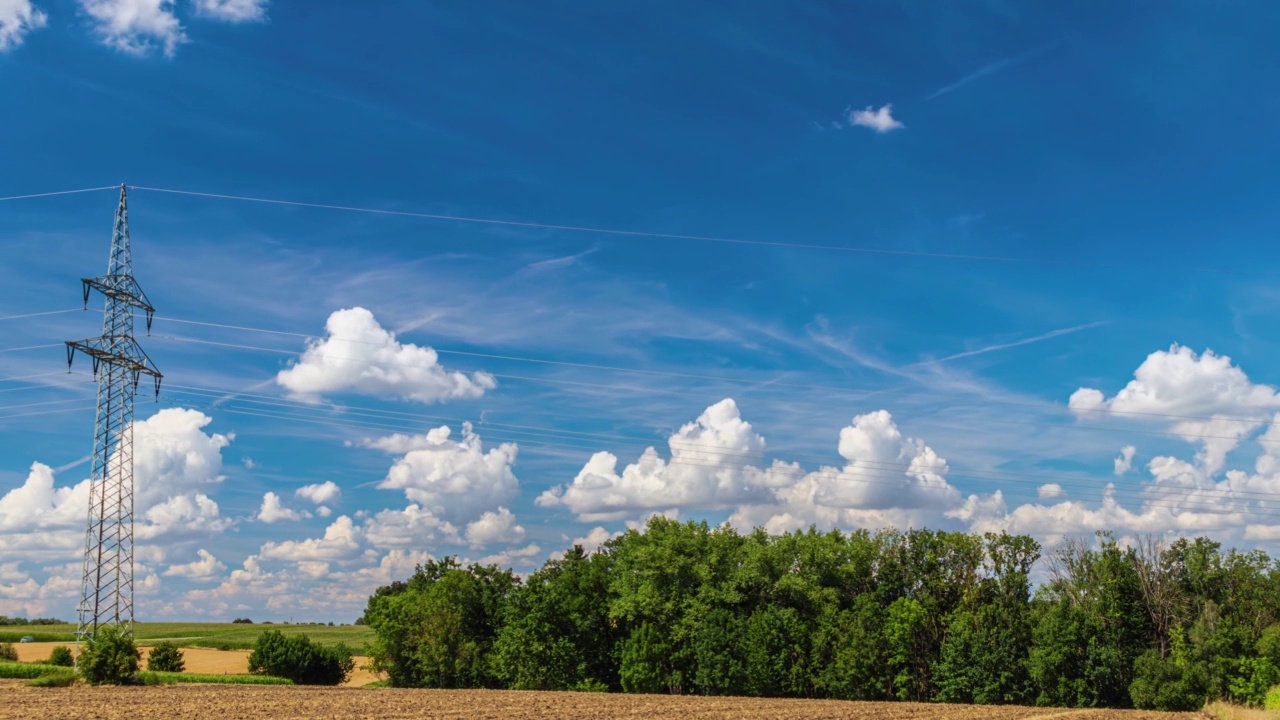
(119, 287)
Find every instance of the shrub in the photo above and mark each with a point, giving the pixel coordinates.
(1272, 701)
(7, 652)
(109, 658)
(165, 657)
(58, 679)
(298, 659)
(61, 656)
(242, 621)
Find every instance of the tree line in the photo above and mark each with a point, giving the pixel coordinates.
(917, 615)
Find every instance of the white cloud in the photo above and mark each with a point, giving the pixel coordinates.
(136, 26)
(1124, 463)
(341, 541)
(359, 356)
(324, 511)
(175, 464)
(320, 493)
(1050, 491)
(709, 468)
(882, 120)
(17, 18)
(888, 479)
(590, 542)
(203, 569)
(524, 556)
(234, 11)
(453, 480)
(493, 528)
(1177, 382)
(273, 511)
(412, 527)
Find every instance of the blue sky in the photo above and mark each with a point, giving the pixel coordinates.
(1064, 194)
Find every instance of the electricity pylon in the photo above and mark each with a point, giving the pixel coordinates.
(106, 596)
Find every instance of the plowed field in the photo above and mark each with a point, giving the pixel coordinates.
(227, 702)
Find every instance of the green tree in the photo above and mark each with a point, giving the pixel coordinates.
(109, 657)
(165, 657)
(61, 656)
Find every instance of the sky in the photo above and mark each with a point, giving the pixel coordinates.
(540, 272)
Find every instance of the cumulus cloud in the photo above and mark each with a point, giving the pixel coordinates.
(493, 528)
(176, 463)
(341, 541)
(1177, 382)
(515, 557)
(273, 511)
(234, 11)
(888, 479)
(882, 120)
(359, 356)
(205, 568)
(1124, 463)
(453, 480)
(1050, 491)
(17, 19)
(320, 493)
(136, 26)
(709, 468)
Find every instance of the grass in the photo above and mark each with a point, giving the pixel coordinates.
(223, 636)
(62, 679)
(1227, 711)
(28, 671)
(170, 678)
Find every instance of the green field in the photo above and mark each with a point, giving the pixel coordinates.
(230, 636)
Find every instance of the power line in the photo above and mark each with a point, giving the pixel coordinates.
(1093, 428)
(39, 314)
(1206, 502)
(61, 192)
(696, 238)
(31, 347)
(513, 358)
(505, 432)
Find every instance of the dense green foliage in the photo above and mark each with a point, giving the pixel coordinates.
(297, 658)
(61, 656)
(165, 657)
(917, 615)
(109, 657)
(8, 652)
(27, 671)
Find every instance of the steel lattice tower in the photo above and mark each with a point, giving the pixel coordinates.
(118, 364)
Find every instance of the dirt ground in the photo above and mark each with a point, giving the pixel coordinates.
(231, 702)
(198, 660)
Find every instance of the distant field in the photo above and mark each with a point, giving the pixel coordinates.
(228, 635)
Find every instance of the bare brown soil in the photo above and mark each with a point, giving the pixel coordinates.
(228, 702)
(197, 660)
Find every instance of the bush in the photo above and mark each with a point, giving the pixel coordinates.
(7, 652)
(61, 656)
(1169, 684)
(58, 679)
(242, 621)
(109, 658)
(1272, 701)
(165, 657)
(298, 659)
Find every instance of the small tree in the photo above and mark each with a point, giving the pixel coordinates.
(109, 658)
(8, 653)
(165, 657)
(61, 656)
